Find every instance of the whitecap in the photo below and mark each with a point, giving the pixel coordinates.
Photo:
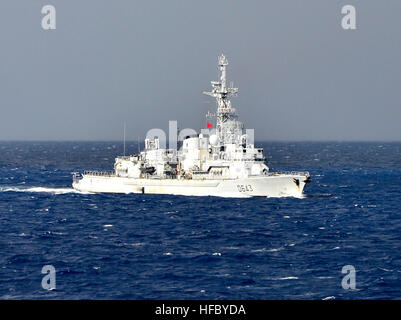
(59, 233)
(230, 248)
(268, 250)
(135, 244)
(286, 278)
(384, 269)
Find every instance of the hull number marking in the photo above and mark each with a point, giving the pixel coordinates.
(244, 188)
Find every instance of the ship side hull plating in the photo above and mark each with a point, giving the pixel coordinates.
(275, 185)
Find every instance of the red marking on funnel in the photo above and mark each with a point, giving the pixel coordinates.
(209, 125)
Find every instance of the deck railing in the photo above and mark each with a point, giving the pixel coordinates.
(112, 174)
(301, 173)
(99, 173)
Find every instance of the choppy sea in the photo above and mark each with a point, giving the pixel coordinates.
(110, 246)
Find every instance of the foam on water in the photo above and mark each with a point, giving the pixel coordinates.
(286, 278)
(39, 190)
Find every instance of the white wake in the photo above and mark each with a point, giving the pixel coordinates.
(39, 190)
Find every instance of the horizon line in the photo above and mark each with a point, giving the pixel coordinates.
(256, 141)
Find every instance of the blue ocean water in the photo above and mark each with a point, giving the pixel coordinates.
(109, 246)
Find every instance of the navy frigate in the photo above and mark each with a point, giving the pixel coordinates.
(220, 162)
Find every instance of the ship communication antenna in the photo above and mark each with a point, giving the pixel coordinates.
(124, 137)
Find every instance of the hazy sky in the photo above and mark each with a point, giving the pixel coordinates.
(300, 75)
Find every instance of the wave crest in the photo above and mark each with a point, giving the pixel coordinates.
(39, 190)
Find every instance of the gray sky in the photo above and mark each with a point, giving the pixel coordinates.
(300, 75)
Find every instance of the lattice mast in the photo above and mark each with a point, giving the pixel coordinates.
(225, 112)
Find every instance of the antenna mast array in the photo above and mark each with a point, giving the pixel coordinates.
(226, 114)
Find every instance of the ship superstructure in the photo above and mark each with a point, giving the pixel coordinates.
(220, 162)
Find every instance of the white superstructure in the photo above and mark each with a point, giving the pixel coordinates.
(223, 162)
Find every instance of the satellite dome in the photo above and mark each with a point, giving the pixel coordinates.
(214, 140)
